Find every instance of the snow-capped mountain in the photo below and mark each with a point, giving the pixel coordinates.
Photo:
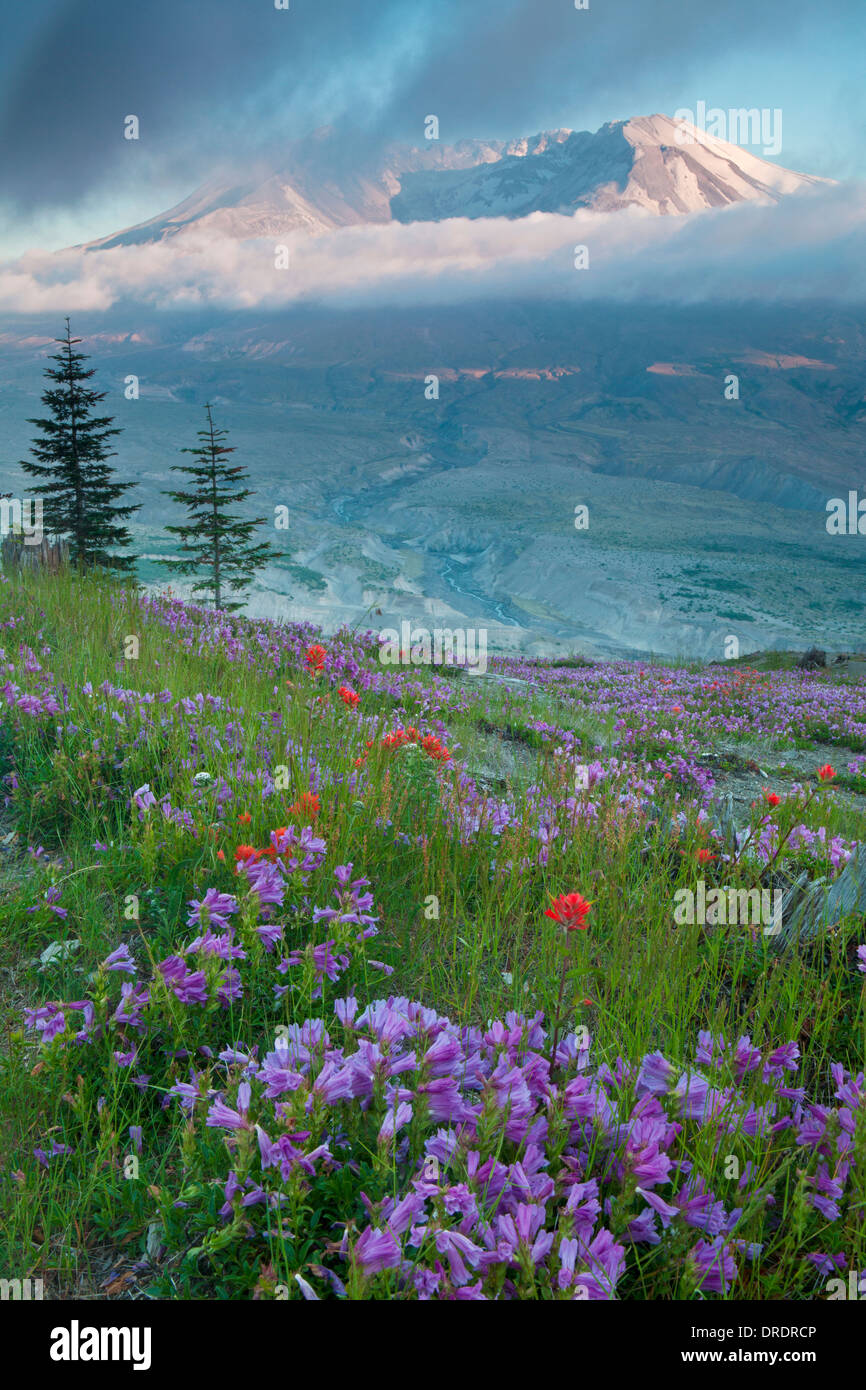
(636, 163)
(667, 167)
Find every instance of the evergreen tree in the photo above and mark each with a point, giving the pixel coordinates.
(216, 542)
(81, 491)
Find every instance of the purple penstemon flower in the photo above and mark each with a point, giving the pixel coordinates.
(714, 1265)
(222, 1116)
(120, 960)
(328, 965)
(606, 1260)
(188, 1092)
(267, 880)
(224, 946)
(50, 898)
(395, 1119)
(376, 1250)
(699, 1101)
(710, 1049)
(459, 1250)
(51, 1028)
(191, 989)
(663, 1209)
(656, 1076)
(270, 933)
(172, 968)
(780, 1060)
(132, 1001)
(214, 909)
(399, 1216)
(229, 986)
(745, 1057)
(44, 1156)
(143, 798)
(346, 1010)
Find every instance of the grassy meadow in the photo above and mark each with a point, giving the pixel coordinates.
(298, 1000)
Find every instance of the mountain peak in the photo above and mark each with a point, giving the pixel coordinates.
(665, 166)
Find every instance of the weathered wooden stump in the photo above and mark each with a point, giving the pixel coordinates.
(47, 555)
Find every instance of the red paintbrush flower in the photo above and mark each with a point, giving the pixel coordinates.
(826, 773)
(570, 910)
(306, 805)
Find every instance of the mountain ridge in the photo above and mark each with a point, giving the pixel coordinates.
(665, 167)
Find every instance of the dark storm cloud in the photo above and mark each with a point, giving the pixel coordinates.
(517, 62)
(204, 79)
(218, 82)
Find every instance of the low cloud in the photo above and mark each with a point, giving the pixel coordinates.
(809, 246)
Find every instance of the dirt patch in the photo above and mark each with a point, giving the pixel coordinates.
(744, 770)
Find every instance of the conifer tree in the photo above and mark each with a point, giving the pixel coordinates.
(80, 492)
(219, 547)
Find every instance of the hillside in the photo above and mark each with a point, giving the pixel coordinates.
(707, 515)
(326, 978)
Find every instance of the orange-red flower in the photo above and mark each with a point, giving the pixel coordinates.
(705, 855)
(244, 817)
(429, 743)
(772, 798)
(244, 852)
(826, 773)
(569, 909)
(316, 657)
(434, 749)
(348, 696)
(307, 804)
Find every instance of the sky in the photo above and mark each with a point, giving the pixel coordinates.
(216, 85)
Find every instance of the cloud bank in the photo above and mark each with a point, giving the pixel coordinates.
(808, 246)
